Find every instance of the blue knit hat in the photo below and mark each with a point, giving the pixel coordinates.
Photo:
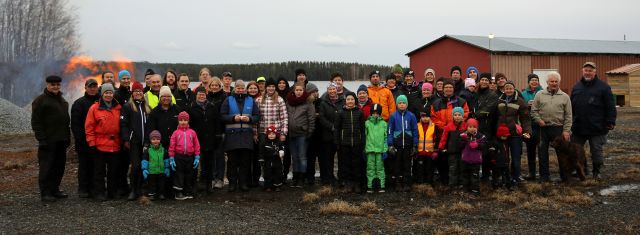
(124, 73)
(458, 110)
(401, 98)
(363, 88)
(472, 68)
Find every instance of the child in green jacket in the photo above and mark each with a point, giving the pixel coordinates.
(155, 163)
(375, 147)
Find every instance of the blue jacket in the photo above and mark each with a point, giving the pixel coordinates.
(403, 130)
(593, 107)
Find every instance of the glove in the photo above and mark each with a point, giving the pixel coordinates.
(464, 136)
(172, 163)
(473, 144)
(392, 150)
(196, 162)
(384, 156)
(145, 174)
(167, 172)
(414, 151)
(434, 155)
(145, 168)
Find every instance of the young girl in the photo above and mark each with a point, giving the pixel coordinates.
(184, 145)
(402, 139)
(450, 144)
(423, 166)
(155, 166)
(472, 143)
(349, 133)
(271, 154)
(301, 125)
(376, 147)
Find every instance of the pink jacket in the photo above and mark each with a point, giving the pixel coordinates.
(184, 141)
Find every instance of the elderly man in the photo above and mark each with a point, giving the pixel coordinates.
(595, 114)
(152, 97)
(551, 110)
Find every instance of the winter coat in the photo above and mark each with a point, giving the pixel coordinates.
(155, 157)
(450, 139)
(366, 108)
(216, 98)
(153, 99)
(486, 104)
(342, 94)
(442, 111)
(270, 149)
(102, 126)
(396, 92)
(513, 112)
(302, 119)
(122, 95)
(593, 107)
(205, 121)
(239, 139)
(50, 118)
(383, 96)
(79, 111)
(349, 129)
(376, 135)
(327, 118)
(273, 113)
(165, 121)
(184, 142)
(184, 98)
(529, 94)
(403, 130)
(414, 98)
(133, 124)
(470, 97)
(473, 155)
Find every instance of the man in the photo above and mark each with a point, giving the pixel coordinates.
(227, 77)
(50, 123)
(381, 95)
(147, 76)
(397, 72)
(485, 111)
(183, 95)
(501, 80)
(108, 77)
(338, 80)
(595, 114)
(79, 111)
(151, 97)
(391, 83)
(456, 76)
(551, 110)
(413, 91)
(205, 79)
(123, 93)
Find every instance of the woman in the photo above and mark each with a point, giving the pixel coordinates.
(283, 88)
(301, 125)
(274, 113)
(102, 128)
(133, 126)
(240, 113)
(330, 106)
(515, 123)
(253, 90)
(170, 80)
(528, 94)
(216, 96)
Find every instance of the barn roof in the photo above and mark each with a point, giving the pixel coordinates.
(537, 45)
(627, 69)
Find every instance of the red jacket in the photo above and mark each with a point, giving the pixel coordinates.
(442, 110)
(366, 109)
(454, 139)
(184, 141)
(102, 126)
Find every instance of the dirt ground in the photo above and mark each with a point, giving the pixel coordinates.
(592, 207)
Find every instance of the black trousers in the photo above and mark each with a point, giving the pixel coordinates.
(423, 168)
(238, 166)
(470, 176)
(85, 168)
(206, 166)
(51, 161)
(326, 162)
(255, 170)
(350, 164)
(313, 153)
(402, 165)
(122, 169)
(135, 176)
(272, 171)
(183, 179)
(105, 166)
(501, 176)
(155, 184)
(442, 164)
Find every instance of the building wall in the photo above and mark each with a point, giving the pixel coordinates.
(634, 89)
(446, 53)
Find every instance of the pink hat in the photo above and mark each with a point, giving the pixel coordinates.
(183, 116)
(469, 82)
(427, 86)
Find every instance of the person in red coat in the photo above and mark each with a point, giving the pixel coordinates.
(102, 128)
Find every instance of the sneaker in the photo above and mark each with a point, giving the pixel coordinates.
(180, 196)
(381, 190)
(218, 184)
(369, 190)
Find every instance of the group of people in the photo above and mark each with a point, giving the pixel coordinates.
(164, 139)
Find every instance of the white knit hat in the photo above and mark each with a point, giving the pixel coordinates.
(165, 90)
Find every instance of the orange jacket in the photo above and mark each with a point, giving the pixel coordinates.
(102, 126)
(442, 111)
(383, 96)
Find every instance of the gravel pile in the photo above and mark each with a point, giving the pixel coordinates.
(14, 119)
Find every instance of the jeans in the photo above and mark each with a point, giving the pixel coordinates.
(515, 148)
(532, 146)
(298, 146)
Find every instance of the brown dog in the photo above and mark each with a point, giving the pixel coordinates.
(571, 157)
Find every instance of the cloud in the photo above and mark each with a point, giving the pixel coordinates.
(171, 46)
(244, 45)
(335, 41)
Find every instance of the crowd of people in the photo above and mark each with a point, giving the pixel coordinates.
(165, 140)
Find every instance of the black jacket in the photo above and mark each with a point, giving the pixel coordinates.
(328, 113)
(122, 95)
(216, 98)
(79, 111)
(133, 124)
(414, 97)
(593, 107)
(485, 112)
(50, 118)
(271, 149)
(470, 97)
(165, 121)
(349, 129)
(205, 121)
(184, 98)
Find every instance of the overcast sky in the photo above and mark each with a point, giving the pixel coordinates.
(373, 32)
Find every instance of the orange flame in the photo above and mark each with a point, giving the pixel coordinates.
(82, 68)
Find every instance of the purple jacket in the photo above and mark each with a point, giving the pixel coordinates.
(473, 155)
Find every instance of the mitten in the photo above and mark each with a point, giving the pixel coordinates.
(464, 136)
(167, 172)
(172, 163)
(473, 144)
(145, 168)
(145, 174)
(196, 162)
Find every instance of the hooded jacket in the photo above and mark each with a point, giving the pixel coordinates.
(513, 111)
(383, 96)
(349, 129)
(302, 117)
(442, 110)
(102, 126)
(376, 135)
(133, 122)
(403, 130)
(184, 142)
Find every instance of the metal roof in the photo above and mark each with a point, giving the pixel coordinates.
(627, 69)
(536, 45)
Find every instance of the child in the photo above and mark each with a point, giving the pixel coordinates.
(472, 142)
(402, 139)
(184, 145)
(501, 159)
(450, 144)
(425, 160)
(155, 162)
(271, 155)
(375, 147)
(349, 133)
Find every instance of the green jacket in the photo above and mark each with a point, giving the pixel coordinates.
(156, 157)
(376, 135)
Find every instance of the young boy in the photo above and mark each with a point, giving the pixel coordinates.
(350, 137)
(376, 133)
(183, 146)
(423, 166)
(155, 163)
(271, 155)
(501, 160)
(472, 142)
(450, 144)
(402, 139)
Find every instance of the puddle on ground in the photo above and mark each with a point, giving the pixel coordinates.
(619, 189)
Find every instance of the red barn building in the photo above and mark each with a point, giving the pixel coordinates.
(518, 57)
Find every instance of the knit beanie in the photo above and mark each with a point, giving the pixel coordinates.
(397, 69)
(458, 110)
(472, 68)
(484, 75)
(531, 76)
(509, 82)
(149, 72)
(472, 122)
(124, 73)
(183, 116)
(454, 68)
(401, 99)
(53, 78)
(332, 84)
(376, 108)
(155, 134)
(200, 89)
(165, 91)
(409, 73)
(373, 73)
(469, 82)
(430, 70)
(448, 82)
(311, 87)
(137, 86)
(106, 87)
(272, 129)
(364, 88)
(271, 82)
(427, 86)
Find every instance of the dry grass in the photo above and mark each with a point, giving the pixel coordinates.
(621, 176)
(632, 170)
(454, 229)
(369, 207)
(508, 197)
(580, 200)
(631, 159)
(310, 197)
(339, 207)
(14, 165)
(460, 207)
(144, 201)
(426, 190)
(325, 191)
(569, 214)
(590, 183)
(391, 220)
(533, 188)
(540, 203)
(429, 212)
